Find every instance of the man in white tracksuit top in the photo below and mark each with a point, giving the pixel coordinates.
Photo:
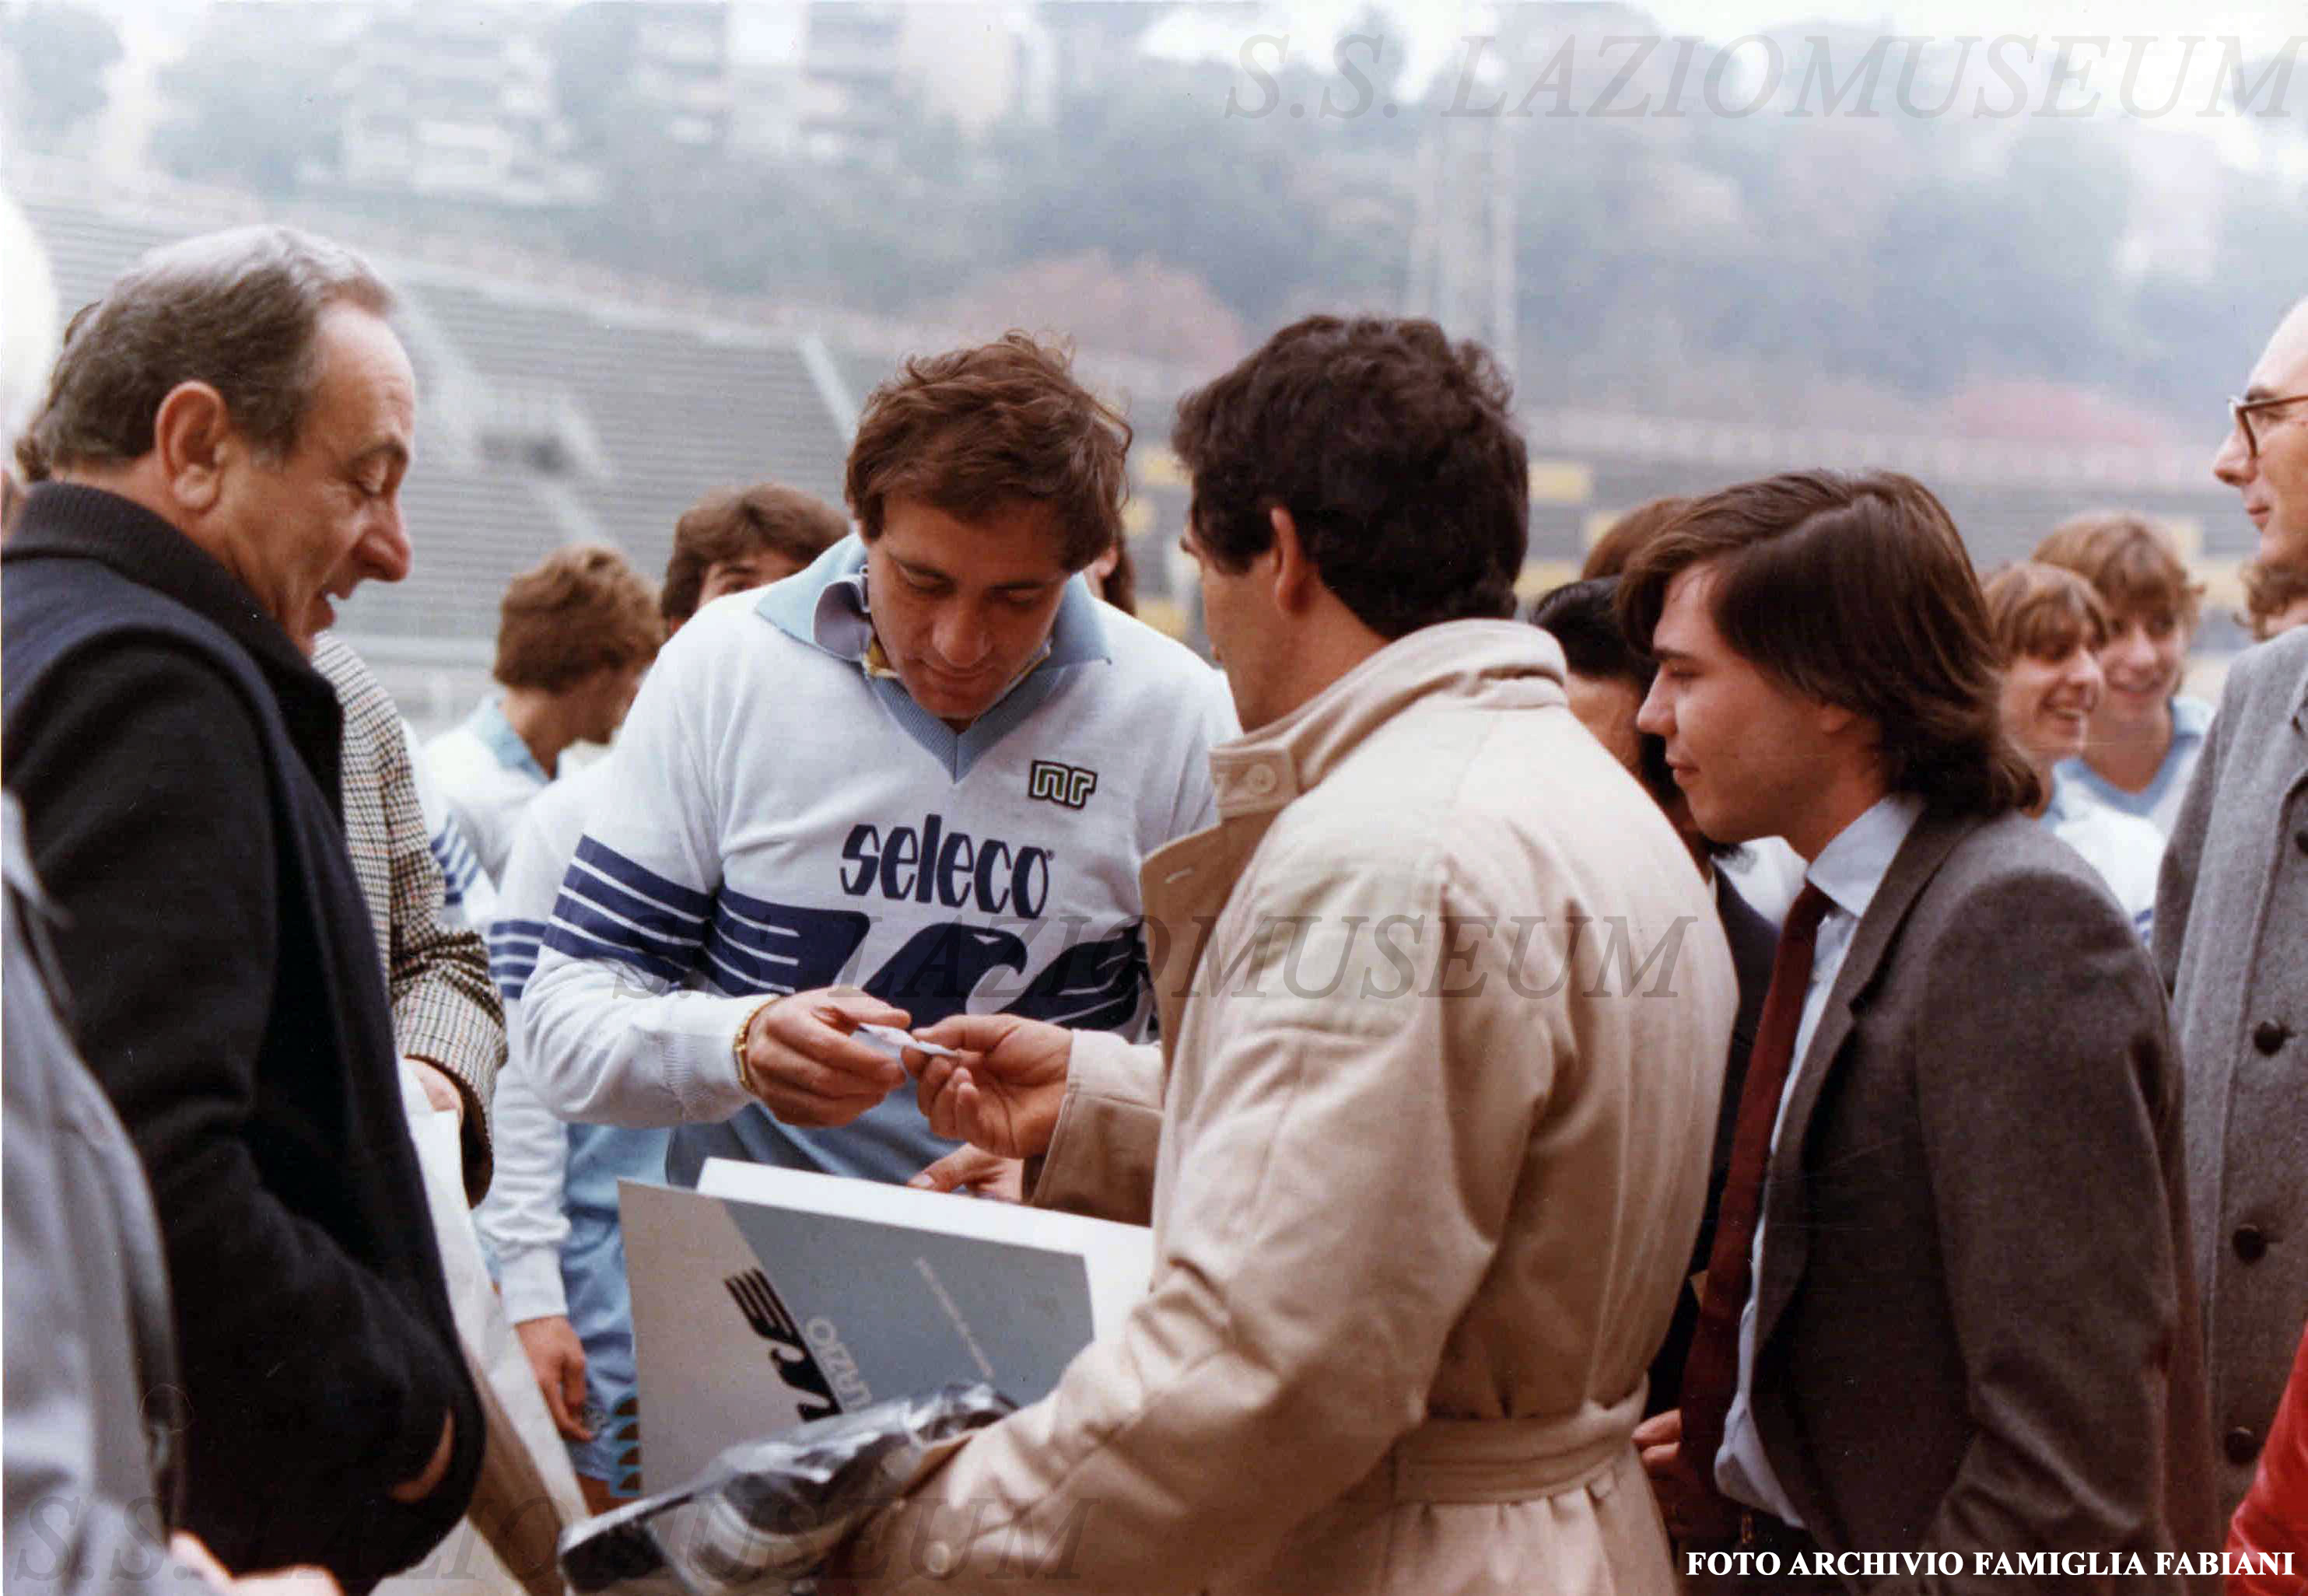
(927, 767)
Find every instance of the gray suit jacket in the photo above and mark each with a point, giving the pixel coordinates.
(2232, 937)
(1975, 1331)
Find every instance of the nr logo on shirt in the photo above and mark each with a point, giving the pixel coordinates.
(1069, 784)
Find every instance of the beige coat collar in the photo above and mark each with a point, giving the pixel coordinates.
(1490, 662)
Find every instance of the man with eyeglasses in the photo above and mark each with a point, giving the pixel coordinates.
(2232, 942)
(2265, 455)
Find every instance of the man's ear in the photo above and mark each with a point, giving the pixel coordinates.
(1296, 582)
(193, 435)
(1834, 720)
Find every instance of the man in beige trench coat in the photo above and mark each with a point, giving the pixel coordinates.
(1443, 1008)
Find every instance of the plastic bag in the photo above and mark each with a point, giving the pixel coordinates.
(768, 1513)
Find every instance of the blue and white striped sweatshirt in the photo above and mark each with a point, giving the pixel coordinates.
(779, 819)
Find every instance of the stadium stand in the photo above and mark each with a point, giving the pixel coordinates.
(559, 408)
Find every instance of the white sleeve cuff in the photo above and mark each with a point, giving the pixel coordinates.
(601, 1052)
(703, 1068)
(531, 1280)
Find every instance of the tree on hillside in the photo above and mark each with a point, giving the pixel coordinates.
(1154, 169)
(1148, 309)
(740, 223)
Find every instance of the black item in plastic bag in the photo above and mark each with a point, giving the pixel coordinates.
(768, 1513)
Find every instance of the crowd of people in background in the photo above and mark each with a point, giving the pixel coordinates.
(1909, 1189)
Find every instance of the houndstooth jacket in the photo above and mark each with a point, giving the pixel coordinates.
(444, 1006)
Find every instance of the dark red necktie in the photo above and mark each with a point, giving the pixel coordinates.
(1711, 1374)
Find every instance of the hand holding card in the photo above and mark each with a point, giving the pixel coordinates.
(1003, 1091)
(889, 1040)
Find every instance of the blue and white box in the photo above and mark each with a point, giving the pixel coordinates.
(768, 1297)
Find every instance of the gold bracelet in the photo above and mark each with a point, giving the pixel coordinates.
(738, 1048)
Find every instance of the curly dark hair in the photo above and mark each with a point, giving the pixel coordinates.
(1004, 423)
(1395, 452)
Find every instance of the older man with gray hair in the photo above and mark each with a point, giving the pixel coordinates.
(215, 465)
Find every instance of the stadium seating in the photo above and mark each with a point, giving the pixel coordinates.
(592, 418)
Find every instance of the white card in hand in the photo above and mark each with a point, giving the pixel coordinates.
(889, 1040)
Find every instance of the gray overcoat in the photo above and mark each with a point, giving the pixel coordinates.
(2232, 942)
